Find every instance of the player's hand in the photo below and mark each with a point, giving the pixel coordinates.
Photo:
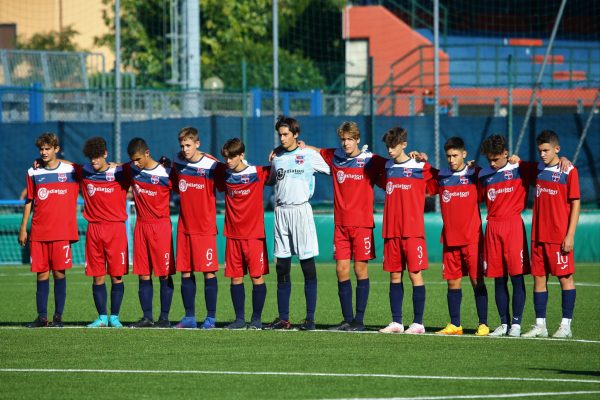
(567, 244)
(112, 164)
(418, 156)
(514, 159)
(165, 162)
(471, 164)
(274, 152)
(23, 237)
(37, 163)
(301, 144)
(564, 164)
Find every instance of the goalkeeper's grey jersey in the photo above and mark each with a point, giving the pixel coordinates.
(292, 173)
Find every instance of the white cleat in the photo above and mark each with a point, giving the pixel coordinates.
(563, 332)
(415, 329)
(393, 327)
(500, 331)
(537, 331)
(515, 330)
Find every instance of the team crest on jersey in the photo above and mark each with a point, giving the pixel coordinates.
(110, 176)
(508, 175)
(245, 178)
(407, 172)
(464, 180)
(91, 189)
(42, 193)
(556, 176)
(341, 176)
(154, 179)
(360, 162)
(201, 172)
(299, 160)
(62, 177)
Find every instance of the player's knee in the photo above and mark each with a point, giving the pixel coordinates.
(308, 269)
(283, 268)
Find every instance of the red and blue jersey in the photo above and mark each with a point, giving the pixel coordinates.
(151, 191)
(104, 193)
(195, 183)
(554, 191)
(459, 204)
(54, 195)
(405, 185)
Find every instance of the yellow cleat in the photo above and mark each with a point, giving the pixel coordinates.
(451, 330)
(482, 330)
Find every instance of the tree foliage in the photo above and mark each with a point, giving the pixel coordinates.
(53, 40)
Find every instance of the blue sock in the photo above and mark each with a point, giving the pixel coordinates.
(396, 299)
(568, 303)
(238, 298)
(501, 290)
(518, 300)
(116, 297)
(100, 297)
(60, 295)
(41, 298)
(418, 303)
(284, 289)
(166, 297)
(481, 303)
(454, 299)
(540, 302)
(362, 297)
(211, 290)
(259, 293)
(145, 294)
(310, 293)
(188, 296)
(345, 295)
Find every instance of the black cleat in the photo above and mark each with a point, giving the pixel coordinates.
(39, 322)
(162, 323)
(308, 325)
(237, 324)
(57, 322)
(343, 326)
(255, 324)
(143, 323)
(282, 324)
(355, 326)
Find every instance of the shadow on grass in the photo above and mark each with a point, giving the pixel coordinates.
(569, 372)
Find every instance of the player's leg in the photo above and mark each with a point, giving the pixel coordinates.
(117, 291)
(342, 255)
(472, 256)
(211, 291)
(309, 271)
(540, 290)
(494, 268)
(416, 255)
(567, 285)
(517, 260)
(393, 263)
(452, 273)
(206, 261)
(95, 266)
(258, 266)
(363, 250)
(61, 260)
(234, 269)
(117, 259)
(163, 265)
(306, 246)
(283, 263)
(40, 265)
(184, 264)
(100, 296)
(141, 268)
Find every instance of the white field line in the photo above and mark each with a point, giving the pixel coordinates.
(303, 374)
(483, 396)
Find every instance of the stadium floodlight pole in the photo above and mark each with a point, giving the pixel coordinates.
(586, 128)
(436, 89)
(117, 120)
(275, 67)
(540, 75)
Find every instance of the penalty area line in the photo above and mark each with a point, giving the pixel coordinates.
(484, 396)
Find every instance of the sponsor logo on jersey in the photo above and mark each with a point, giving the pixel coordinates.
(238, 192)
(91, 189)
(154, 179)
(539, 190)
(299, 160)
(556, 176)
(464, 180)
(43, 193)
(245, 178)
(493, 193)
(110, 176)
(448, 195)
(139, 190)
(184, 185)
(62, 177)
(407, 172)
(390, 187)
(508, 175)
(280, 174)
(342, 176)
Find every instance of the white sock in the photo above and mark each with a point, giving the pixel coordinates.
(566, 322)
(540, 321)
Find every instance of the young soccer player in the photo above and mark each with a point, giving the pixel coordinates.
(405, 181)
(152, 240)
(193, 175)
(246, 249)
(52, 194)
(104, 188)
(462, 237)
(293, 171)
(354, 174)
(555, 215)
(504, 187)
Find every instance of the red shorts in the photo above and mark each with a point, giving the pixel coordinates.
(51, 256)
(246, 256)
(399, 253)
(459, 261)
(106, 249)
(505, 248)
(153, 248)
(353, 242)
(197, 253)
(549, 259)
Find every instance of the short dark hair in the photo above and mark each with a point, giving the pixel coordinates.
(547, 136)
(394, 136)
(137, 145)
(48, 138)
(454, 142)
(233, 147)
(288, 122)
(495, 144)
(94, 147)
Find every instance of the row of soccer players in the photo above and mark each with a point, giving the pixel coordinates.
(196, 176)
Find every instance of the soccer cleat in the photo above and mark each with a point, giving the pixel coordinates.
(500, 331)
(282, 324)
(393, 327)
(415, 329)
(355, 326)
(101, 322)
(209, 323)
(143, 323)
(255, 324)
(343, 326)
(237, 324)
(39, 322)
(114, 321)
(308, 325)
(537, 331)
(515, 330)
(56, 321)
(482, 330)
(451, 329)
(162, 323)
(563, 332)
(187, 322)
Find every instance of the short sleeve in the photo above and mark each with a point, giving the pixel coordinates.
(573, 192)
(327, 155)
(319, 164)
